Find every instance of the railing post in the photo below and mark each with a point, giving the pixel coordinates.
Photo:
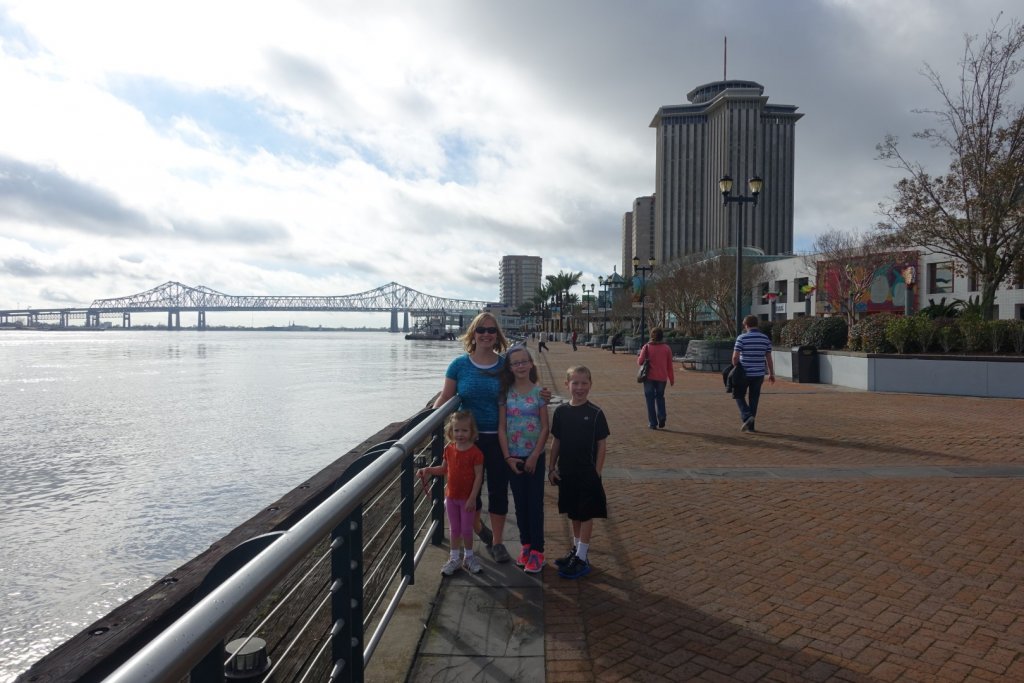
(408, 542)
(347, 598)
(211, 667)
(437, 487)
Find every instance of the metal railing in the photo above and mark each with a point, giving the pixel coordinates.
(320, 564)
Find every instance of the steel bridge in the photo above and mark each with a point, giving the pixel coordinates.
(174, 298)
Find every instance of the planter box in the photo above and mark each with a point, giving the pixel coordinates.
(953, 375)
(678, 345)
(707, 356)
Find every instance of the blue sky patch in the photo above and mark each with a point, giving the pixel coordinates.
(460, 155)
(245, 123)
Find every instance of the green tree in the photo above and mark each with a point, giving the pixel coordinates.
(975, 211)
(540, 300)
(560, 285)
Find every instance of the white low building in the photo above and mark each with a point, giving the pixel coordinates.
(936, 277)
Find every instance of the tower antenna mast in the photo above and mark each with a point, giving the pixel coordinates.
(725, 57)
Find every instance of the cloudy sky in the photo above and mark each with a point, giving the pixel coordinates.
(329, 147)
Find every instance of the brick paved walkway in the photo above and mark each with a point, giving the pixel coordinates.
(855, 537)
(823, 576)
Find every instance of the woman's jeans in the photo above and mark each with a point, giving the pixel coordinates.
(748, 410)
(654, 392)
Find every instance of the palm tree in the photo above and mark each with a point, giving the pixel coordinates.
(559, 285)
(540, 300)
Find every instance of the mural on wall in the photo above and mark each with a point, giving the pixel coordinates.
(875, 286)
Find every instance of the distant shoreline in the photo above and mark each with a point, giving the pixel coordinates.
(211, 328)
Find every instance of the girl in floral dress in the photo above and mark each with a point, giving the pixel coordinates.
(523, 434)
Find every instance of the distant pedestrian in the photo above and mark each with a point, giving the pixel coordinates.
(752, 351)
(523, 433)
(661, 373)
(573, 338)
(579, 432)
(542, 346)
(463, 467)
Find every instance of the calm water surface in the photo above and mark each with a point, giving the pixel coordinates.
(125, 453)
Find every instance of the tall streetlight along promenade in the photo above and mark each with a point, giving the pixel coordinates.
(644, 271)
(755, 185)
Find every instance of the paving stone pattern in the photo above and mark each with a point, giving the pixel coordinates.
(854, 537)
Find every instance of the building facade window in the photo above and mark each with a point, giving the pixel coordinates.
(800, 283)
(940, 277)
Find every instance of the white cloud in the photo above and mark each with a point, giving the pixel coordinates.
(333, 147)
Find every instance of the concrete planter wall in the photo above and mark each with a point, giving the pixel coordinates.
(987, 376)
(678, 345)
(709, 356)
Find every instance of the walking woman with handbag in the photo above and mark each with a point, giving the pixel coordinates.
(658, 355)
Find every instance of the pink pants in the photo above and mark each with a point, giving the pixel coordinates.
(460, 520)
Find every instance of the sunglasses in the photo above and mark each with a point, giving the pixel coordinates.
(487, 330)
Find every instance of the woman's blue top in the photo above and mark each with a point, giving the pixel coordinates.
(478, 387)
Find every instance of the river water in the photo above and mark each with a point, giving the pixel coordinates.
(124, 454)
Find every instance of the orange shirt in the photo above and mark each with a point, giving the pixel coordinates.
(460, 470)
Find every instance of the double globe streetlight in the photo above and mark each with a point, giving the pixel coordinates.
(588, 303)
(755, 185)
(606, 283)
(643, 270)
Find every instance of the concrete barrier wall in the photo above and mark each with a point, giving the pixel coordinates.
(952, 376)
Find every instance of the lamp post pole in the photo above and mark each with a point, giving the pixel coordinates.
(643, 270)
(589, 303)
(755, 185)
(604, 282)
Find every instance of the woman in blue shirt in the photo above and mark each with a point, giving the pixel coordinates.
(475, 377)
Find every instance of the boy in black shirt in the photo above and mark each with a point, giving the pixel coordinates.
(579, 430)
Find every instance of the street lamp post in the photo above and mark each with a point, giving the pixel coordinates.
(588, 304)
(605, 284)
(643, 270)
(755, 185)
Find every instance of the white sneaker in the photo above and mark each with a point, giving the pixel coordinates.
(472, 565)
(451, 566)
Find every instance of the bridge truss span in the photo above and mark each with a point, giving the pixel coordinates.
(389, 297)
(175, 297)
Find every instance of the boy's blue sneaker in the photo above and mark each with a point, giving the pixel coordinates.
(575, 568)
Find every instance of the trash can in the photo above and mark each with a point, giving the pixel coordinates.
(805, 364)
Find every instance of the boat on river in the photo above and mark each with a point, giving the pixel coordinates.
(432, 330)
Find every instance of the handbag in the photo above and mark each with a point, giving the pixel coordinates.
(641, 374)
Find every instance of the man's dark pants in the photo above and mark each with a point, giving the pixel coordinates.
(753, 391)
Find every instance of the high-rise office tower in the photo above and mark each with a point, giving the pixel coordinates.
(627, 242)
(519, 279)
(727, 129)
(643, 228)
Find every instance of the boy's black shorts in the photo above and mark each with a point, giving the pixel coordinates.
(581, 495)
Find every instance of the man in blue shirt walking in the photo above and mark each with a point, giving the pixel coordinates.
(753, 351)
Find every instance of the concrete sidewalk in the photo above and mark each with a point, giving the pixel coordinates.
(854, 537)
